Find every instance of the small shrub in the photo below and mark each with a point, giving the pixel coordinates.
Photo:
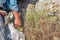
(41, 26)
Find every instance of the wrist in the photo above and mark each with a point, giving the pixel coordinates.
(17, 18)
(16, 15)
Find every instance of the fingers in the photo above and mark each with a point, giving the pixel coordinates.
(16, 25)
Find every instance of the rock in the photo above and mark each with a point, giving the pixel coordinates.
(14, 33)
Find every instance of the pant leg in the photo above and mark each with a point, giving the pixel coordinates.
(12, 4)
(2, 35)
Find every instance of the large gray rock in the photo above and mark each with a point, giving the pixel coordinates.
(2, 34)
(14, 33)
(11, 32)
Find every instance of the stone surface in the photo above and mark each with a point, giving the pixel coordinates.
(10, 31)
(14, 33)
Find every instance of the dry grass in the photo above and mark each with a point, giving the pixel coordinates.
(41, 26)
